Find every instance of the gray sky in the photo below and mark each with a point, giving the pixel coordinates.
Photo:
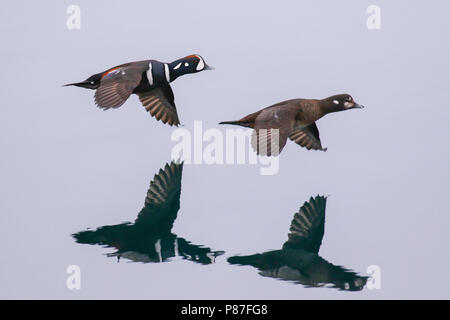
(66, 165)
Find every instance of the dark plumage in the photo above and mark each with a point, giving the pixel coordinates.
(149, 79)
(150, 238)
(294, 119)
(299, 259)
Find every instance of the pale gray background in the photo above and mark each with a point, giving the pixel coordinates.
(66, 165)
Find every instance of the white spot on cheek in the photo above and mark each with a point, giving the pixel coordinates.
(348, 105)
(186, 64)
(335, 102)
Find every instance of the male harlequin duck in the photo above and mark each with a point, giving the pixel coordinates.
(149, 79)
(295, 119)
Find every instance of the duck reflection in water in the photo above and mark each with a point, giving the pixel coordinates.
(298, 260)
(149, 238)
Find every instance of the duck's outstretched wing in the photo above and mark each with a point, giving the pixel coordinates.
(308, 137)
(307, 227)
(117, 84)
(160, 102)
(273, 126)
(163, 198)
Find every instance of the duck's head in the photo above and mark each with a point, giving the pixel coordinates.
(340, 102)
(190, 64)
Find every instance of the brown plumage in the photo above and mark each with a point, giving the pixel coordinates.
(294, 119)
(149, 79)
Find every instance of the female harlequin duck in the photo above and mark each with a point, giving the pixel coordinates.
(295, 119)
(149, 79)
(298, 260)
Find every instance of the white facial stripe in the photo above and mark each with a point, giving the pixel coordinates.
(335, 102)
(149, 74)
(201, 64)
(348, 105)
(166, 72)
(177, 66)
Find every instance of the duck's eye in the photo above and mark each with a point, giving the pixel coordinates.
(349, 99)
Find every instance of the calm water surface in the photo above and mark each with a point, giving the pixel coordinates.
(75, 179)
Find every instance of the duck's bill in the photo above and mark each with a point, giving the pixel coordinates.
(208, 68)
(358, 106)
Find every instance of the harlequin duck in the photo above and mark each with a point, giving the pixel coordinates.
(298, 260)
(149, 79)
(295, 119)
(150, 237)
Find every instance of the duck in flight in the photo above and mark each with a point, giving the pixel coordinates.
(298, 260)
(294, 119)
(149, 79)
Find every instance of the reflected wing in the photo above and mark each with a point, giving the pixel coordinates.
(163, 198)
(308, 137)
(117, 85)
(160, 103)
(308, 225)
